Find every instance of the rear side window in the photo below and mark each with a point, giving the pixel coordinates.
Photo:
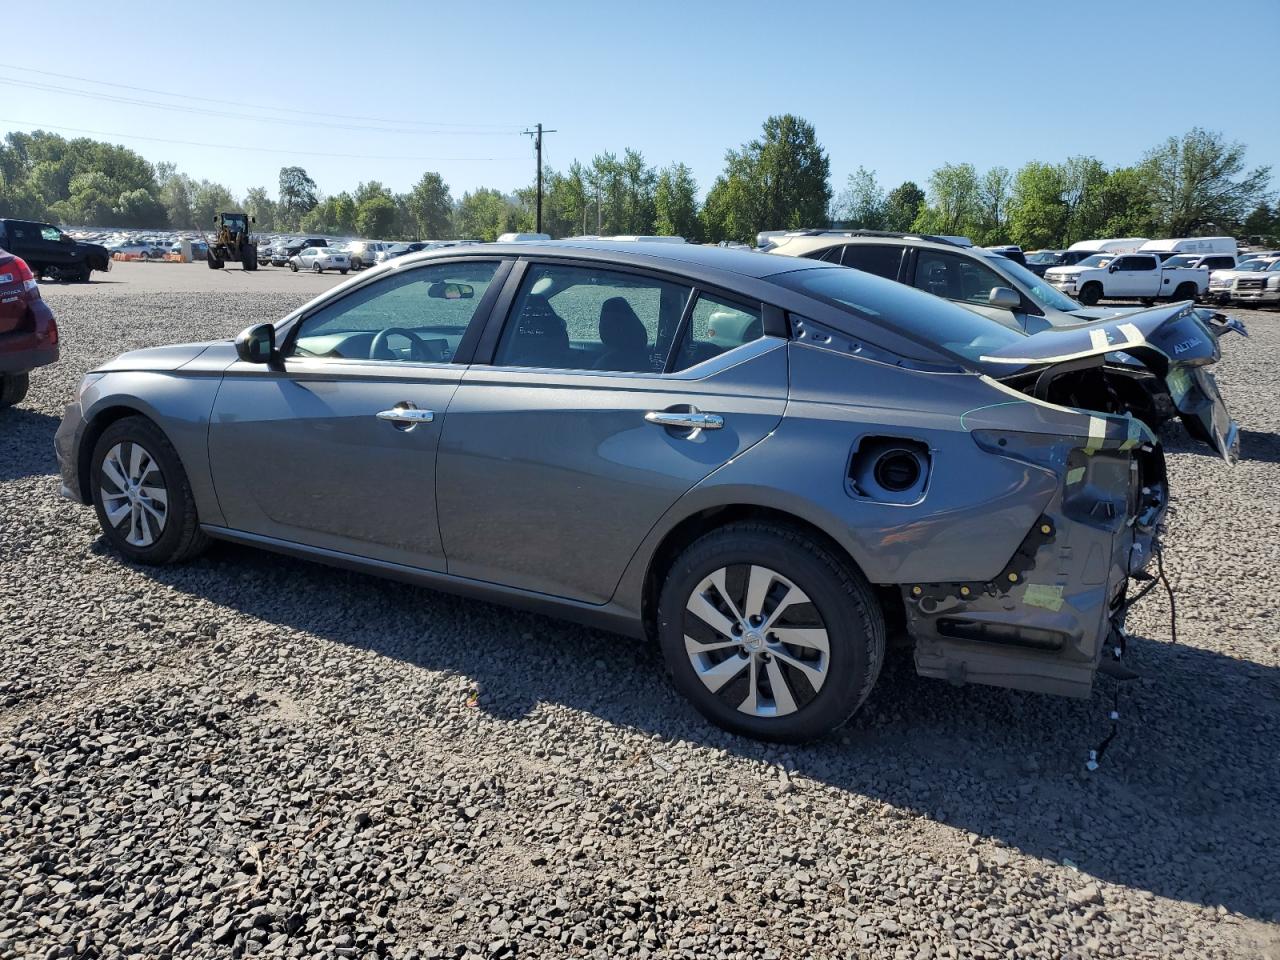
(586, 318)
(880, 259)
(1135, 263)
(715, 327)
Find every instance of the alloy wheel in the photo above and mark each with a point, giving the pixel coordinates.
(134, 496)
(756, 640)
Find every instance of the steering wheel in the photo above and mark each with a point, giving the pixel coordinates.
(378, 349)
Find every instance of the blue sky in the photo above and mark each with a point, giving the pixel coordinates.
(897, 87)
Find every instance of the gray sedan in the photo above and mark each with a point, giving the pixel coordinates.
(760, 463)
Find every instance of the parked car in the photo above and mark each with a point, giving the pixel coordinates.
(1222, 282)
(280, 254)
(1134, 276)
(48, 252)
(292, 247)
(1260, 287)
(364, 253)
(1041, 260)
(1011, 252)
(1210, 261)
(952, 268)
(199, 249)
(28, 332)
(136, 248)
(319, 259)
(391, 251)
(617, 441)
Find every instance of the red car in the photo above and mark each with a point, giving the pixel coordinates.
(28, 332)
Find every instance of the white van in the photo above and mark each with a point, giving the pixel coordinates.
(1116, 245)
(523, 237)
(1167, 248)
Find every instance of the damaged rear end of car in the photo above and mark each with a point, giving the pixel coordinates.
(1045, 620)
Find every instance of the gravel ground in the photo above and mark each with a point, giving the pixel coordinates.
(255, 755)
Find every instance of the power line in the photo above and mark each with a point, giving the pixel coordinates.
(256, 106)
(224, 146)
(182, 108)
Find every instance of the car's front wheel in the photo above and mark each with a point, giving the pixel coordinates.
(1090, 294)
(142, 495)
(769, 633)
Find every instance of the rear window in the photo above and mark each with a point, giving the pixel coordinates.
(912, 312)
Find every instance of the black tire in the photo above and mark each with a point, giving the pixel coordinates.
(180, 538)
(342, 271)
(1090, 293)
(13, 387)
(293, 266)
(1185, 291)
(317, 268)
(86, 274)
(214, 263)
(840, 598)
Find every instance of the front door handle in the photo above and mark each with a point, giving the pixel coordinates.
(406, 415)
(694, 420)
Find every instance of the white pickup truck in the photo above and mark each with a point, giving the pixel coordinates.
(1128, 276)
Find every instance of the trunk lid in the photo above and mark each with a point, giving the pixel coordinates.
(1174, 343)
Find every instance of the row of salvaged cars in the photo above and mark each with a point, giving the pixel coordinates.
(767, 464)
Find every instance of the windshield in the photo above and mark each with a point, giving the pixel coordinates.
(1047, 256)
(1037, 288)
(1181, 261)
(1097, 260)
(1253, 265)
(1274, 268)
(898, 307)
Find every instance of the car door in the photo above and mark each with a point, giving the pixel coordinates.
(1134, 276)
(335, 448)
(609, 395)
(965, 281)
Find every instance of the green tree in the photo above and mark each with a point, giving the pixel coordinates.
(1199, 180)
(675, 203)
(431, 207)
(1037, 211)
(902, 206)
(568, 199)
(484, 214)
(778, 181)
(298, 194)
(993, 207)
(208, 200)
(261, 207)
(1124, 202)
(862, 203)
(175, 190)
(953, 207)
(1262, 221)
(376, 217)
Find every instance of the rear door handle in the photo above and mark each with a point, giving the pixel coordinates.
(406, 415)
(693, 420)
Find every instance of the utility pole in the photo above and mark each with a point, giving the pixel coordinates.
(537, 133)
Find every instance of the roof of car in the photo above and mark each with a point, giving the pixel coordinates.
(747, 263)
(798, 244)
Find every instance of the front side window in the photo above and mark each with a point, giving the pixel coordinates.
(716, 326)
(955, 278)
(418, 316)
(586, 318)
(1136, 263)
(50, 233)
(1041, 292)
(877, 258)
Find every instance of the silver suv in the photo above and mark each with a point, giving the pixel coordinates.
(949, 267)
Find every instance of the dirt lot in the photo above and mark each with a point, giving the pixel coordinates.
(255, 755)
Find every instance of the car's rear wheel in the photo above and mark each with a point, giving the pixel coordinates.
(317, 268)
(13, 387)
(769, 633)
(1090, 294)
(343, 271)
(1185, 291)
(142, 495)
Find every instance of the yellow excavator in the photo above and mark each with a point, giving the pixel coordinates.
(231, 242)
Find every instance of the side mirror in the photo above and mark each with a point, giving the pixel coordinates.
(257, 344)
(1004, 298)
(1112, 268)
